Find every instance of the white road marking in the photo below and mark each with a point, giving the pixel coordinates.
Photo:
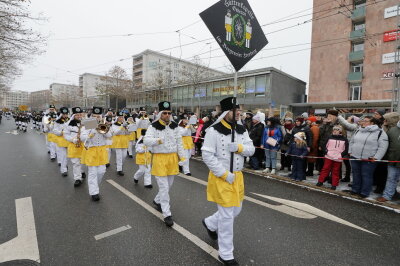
(112, 232)
(25, 245)
(280, 208)
(194, 239)
(293, 208)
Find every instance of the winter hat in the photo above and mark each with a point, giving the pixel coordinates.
(380, 111)
(304, 115)
(300, 119)
(257, 117)
(289, 119)
(312, 119)
(333, 112)
(300, 136)
(392, 118)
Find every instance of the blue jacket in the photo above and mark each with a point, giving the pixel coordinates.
(294, 150)
(277, 136)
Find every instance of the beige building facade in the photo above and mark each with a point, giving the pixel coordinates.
(352, 55)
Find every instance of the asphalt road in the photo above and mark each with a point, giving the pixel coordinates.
(269, 231)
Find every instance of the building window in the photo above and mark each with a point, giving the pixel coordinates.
(358, 47)
(359, 3)
(355, 92)
(358, 67)
(359, 26)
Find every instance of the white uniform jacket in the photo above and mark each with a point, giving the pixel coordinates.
(185, 131)
(215, 149)
(71, 132)
(117, 130)
(48, 128)
(132, 127)
(169, 135)
(143, 123)
(58, 129)
(98, 139)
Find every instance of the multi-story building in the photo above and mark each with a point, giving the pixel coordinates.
(14, 99)
(257, 89)
(89, 83)
(40, 100)
(66, 94)
(352, 55)
(154, 69)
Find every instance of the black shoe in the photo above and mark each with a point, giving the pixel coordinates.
(378, 191)
(136, 181)
(228, 262)
(363, 196)
(48, 152)
(130, 156)
(188, 174)
(168, 221)
(212, 234)
(96, 197)
(158, 206)
(149, 186)
(333, 187)
(309, 174)
(64, 174)
(77, 183)
(319, 184)
(180, 168)
(83, 175)
(120, 173)
(52, 159)
(59, 164)
(350, 185)
(107, 165)
(346, 179)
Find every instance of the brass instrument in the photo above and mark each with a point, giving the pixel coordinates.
(145, 116)
(103, 128)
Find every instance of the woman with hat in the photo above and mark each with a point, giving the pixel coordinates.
(62, 143)
(164, 138)
(120, 141)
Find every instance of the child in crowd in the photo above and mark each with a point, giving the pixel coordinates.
(298, 150)
(336, 147)
(143, 160)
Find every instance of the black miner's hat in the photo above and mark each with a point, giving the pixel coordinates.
(97, 110)
(64, 110)
(228, 104)
(76, 110)
(164, 106)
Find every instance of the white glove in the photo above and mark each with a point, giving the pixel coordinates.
(230, 178)
(233, 147)
(75, 141)
(181, 163)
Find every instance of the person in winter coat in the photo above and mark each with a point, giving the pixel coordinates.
(393, 154)
(314, 146)
(379, 116)
(336, 147)
(325, 131)
(256, 133)
(287, 128)
(368, 143)
(248, 120)
(271, 139)
(301, 126)
(298, 150)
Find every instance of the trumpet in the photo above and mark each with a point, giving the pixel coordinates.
(103, 128)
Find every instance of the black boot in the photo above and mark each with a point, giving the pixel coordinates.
(168, 221)
(310, 169)
(212, 234)
(232, 262)
(149, 186)
(83, 175)
(120, 173)
(96, 197)
(77, 183)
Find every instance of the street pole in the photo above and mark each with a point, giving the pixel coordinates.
(395, 106)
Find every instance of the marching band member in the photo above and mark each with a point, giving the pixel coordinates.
(109, 122)
(225, 159)
(143, 160)
(62, 143)
(48, 127)
(142, 121)
(95, 157)
(72, 134)
(186, 133)
(119, 141)
(132, 128)
(166, 143)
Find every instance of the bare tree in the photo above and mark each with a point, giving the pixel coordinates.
(116, 84)
(161, 81)
(18, 41)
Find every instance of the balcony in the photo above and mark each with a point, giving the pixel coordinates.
(355, 77)
(358, 14)
(356, 56)
(357, 35)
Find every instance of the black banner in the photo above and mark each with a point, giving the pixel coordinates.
(236, 29)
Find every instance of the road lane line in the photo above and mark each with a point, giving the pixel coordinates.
(25, 245)
(280, 208)
(112, 232)
(194, 239)
(296, 209)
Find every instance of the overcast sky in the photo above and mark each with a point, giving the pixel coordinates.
(74, 46)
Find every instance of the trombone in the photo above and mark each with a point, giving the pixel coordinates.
(103, 128)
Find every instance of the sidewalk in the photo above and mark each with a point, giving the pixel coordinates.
(310, 183)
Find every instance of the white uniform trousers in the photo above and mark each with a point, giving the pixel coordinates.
(144, 170)
(47, 144)
(77, 168)
(95, 175)
(62, 158)
(120, 155)
(24, 125)
(52, 148)
(130, 147)
(109, 154)
(185, 166)
(164, 185)
(222, 222)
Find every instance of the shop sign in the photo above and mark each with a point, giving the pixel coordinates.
(390, 36)
(387, 75)
(389, 58)
(391, 11)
